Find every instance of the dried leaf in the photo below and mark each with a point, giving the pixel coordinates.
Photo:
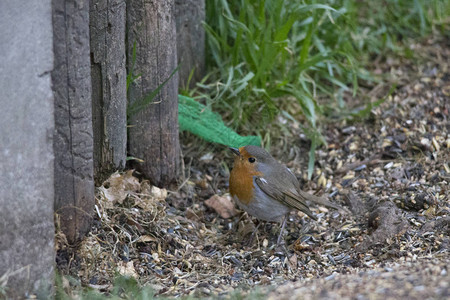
(222, 205)
(117, 187)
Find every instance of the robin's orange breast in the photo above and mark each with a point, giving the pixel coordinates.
(241, 180)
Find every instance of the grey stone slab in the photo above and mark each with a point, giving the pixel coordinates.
(26, 151)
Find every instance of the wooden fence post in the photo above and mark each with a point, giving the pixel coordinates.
(73, 140)
(189, 15)
(109, 87)
(26, 152)
(153, 132)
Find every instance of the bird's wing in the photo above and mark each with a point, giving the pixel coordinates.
(304, 195)
(290, 198)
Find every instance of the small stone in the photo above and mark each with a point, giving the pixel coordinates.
(389, 165)
(312, 262)
(425, 142)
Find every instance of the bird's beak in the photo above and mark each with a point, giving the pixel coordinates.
(235, 151)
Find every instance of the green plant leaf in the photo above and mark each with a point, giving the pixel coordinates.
(141, 104)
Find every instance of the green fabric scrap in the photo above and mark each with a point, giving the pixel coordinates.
(197, 119)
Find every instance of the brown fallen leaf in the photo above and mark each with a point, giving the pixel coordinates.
(193, 215)
(293, 260)
(222, 205)
(116, 188)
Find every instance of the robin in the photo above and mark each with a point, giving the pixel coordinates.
(266, 189)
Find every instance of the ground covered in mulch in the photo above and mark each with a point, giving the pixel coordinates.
(390, 173)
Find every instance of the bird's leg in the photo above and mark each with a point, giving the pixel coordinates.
(280, 236)
(252, 236)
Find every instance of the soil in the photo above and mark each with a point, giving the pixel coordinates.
(390, 174)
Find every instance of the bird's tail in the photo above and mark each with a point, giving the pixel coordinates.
(319, 200)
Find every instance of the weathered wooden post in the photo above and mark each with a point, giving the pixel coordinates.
(189, 16)
(153, 131)
(73, 139)
(109, 87)
(26, 151)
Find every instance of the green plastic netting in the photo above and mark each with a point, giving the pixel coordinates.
(197, 119)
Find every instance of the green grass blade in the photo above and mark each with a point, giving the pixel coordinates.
(141, 104)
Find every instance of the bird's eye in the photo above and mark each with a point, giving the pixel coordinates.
(251, 159)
